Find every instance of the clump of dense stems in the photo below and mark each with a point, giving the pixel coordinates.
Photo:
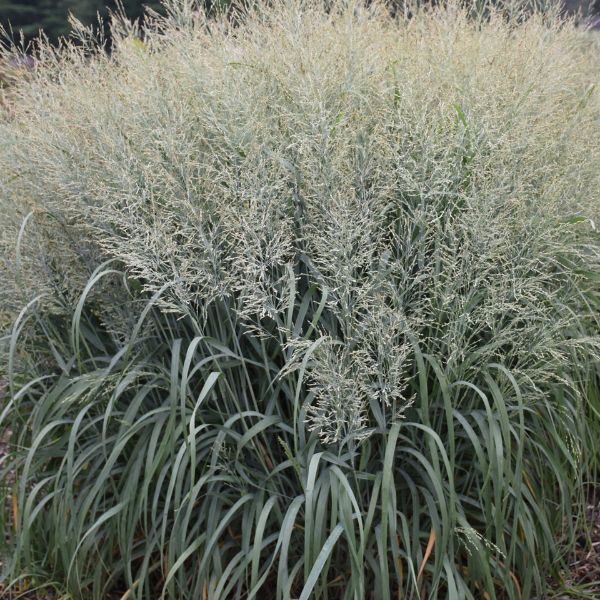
(302, 301)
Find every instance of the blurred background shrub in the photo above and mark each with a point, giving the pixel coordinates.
(51, 16)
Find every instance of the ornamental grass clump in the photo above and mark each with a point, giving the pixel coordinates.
(301, 301)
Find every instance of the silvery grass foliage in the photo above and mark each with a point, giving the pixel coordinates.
(302, 302)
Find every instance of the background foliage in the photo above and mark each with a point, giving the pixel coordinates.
(51, 16)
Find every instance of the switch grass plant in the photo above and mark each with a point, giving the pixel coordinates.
(302, 302)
